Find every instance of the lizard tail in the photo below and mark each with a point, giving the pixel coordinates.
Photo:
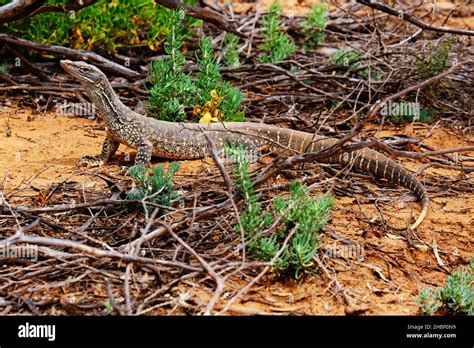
(375, 163)
(365, 160)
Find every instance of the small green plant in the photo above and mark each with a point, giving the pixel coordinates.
(252, 219)
(307, 215)
(427, 306)
(209, 79)
(277, 45)
(315, 24)
(348, 59)
(434, 59)
(172, 89)
(111, 25)
(108, 307)
(231, 101)
(231, 52)
(456, 297)
(157, 188)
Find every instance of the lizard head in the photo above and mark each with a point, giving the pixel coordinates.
(86, 73)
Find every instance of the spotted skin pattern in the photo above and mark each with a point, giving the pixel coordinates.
(188, 140)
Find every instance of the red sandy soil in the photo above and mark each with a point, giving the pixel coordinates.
(43, 149)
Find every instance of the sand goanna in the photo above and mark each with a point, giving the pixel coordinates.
(187, 140)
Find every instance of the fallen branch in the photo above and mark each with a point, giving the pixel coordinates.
(89, 57)
(205, 14)
(412, 19)
(19, 9)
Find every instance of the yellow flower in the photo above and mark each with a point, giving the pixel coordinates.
(207, 118)
(196, 110)
(215, 97)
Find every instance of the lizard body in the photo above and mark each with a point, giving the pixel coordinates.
(187, 140)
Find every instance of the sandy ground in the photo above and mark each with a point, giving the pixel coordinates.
(382, 277)
(43, 149)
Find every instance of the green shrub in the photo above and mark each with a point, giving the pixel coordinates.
(252, 219)
(315, 24)
(277, 45)
(348, 59)
(306, 214)
(456, 297)
(231, 52)
(109, 24)
(157, 188)
(434, 59)
(172, 89)
(209, 79)
(310, 215)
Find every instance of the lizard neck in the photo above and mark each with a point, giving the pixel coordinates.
(107, 104)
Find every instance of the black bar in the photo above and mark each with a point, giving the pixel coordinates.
(242, 330)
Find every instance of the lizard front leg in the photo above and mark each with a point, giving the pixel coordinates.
(109, 147)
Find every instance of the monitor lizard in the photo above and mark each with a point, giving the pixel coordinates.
(188, 140)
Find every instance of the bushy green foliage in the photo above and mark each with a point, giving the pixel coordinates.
(157, 188)
(310, 215)
(306, 214)
(54, 27)
(315, 24)
(108, 24)
(252, 219)
(209, 78)
(172, 89)
(427, 306)
(435, 59)
(456, 297)
(348, 59)
(277, 45)
(231, 101)
(231, 52)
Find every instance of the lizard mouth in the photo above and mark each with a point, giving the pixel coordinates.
(68, 66)
(81, 70)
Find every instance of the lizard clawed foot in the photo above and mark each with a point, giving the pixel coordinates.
(91, 161)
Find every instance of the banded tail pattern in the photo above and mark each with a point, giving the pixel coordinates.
(365, 160)
(370, 161)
